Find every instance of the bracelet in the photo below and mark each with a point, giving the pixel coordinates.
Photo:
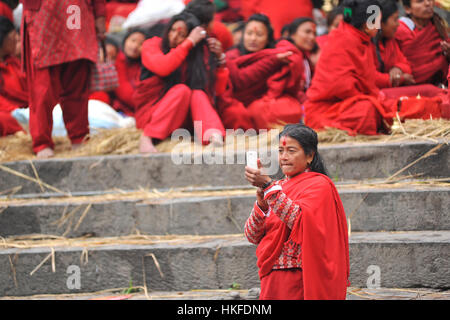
(265, 185)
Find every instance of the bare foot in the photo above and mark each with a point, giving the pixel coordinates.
(45, 153)
(146, 145)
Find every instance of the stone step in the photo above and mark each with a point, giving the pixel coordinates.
(400, 259)
(129, 172)
(409, 207)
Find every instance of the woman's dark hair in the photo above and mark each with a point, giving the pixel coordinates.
(388, 8)
(331, 16)
(355, 11)
(11, 3)
(130, 32)
(297, 23)
(199, 75)
(264, 20)
(308, 140)
(203, 9)
(6, 26)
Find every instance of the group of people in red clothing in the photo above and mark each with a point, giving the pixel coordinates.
(351, 78)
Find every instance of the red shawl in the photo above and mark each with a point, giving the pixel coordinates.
(129, 73)
(423, 51)
(13, 85)
(320, 230)
(392, 57)
(344, 75)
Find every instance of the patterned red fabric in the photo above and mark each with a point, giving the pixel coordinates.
(423, 51)
(51, 41)
(343, 93)
(391, 56)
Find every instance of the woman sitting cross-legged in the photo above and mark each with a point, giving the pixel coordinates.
(181, 74)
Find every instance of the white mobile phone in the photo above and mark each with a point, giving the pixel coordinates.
(252, 159)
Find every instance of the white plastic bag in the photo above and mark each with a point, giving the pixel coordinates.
(100, 114)
(149, 12)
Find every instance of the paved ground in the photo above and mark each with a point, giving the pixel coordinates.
(252, 294)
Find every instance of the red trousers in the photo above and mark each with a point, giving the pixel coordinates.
(67, 84)
(284, 284)
(8, 125)
(171, 112)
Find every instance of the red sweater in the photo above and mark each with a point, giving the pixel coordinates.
(13, 85)
(129, 72)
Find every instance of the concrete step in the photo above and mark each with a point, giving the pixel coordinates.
(129, 172)
(401, 260)
(234, 294)
(408, 207)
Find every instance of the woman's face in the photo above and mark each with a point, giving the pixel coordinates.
(177, 33)
(291, 157)
(133, 45)
(256, 36)
(336, 22)
(305, 36)
(390, 26)
(9, 45)
(421, 9)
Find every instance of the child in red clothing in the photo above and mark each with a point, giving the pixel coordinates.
(181, 73)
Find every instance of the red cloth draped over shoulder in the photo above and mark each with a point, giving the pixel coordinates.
(279, 13)
(423, 51)
(392, 56)
(129, 72)
(13, 85)
(13, 94)
(344, 79)
(320, 230)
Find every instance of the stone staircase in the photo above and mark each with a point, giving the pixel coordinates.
(147, 221)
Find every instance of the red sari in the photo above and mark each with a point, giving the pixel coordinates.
(423, 51)
(343, 93)
(321, 232)
(13, 94)
(263, 91)
(158, 116)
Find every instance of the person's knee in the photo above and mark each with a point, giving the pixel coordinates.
(182, 90)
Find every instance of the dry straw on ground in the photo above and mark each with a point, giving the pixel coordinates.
(126, 141)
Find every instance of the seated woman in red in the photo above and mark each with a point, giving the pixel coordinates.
(302, 32)
(343, 93)
(13, 85)
(423, 39)
(393, 68)
(264, 81)
(299, 225)
(180, 73)
(128, 65)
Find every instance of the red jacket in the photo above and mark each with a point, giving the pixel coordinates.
(129, 73)
(46, 26)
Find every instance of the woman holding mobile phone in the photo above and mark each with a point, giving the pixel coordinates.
(299, 225)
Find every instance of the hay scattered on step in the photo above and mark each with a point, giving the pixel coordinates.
(126, 140)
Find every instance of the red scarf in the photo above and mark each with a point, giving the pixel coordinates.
(423, 51)
(321, 231)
